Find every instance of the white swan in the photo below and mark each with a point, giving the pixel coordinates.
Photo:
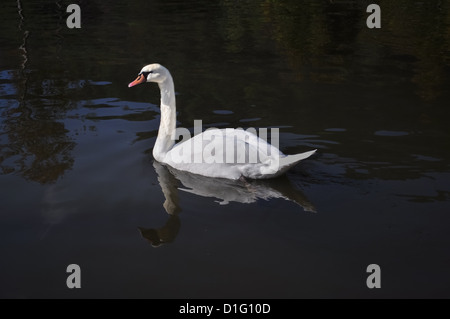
(202, 153)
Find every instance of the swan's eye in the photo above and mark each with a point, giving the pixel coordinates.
(146, 73)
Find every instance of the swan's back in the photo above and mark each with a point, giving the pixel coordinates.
(231, 153)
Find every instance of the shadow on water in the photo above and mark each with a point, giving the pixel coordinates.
(224, 191)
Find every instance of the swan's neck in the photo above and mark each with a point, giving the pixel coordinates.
(166, 132)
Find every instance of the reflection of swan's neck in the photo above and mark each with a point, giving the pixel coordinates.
(169, 187)
(166, 132)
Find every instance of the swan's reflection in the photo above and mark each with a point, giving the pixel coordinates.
(224, 190)
(167, 233)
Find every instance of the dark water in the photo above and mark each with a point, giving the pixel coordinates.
(79, 184)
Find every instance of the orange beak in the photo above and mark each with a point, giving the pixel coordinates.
(140, 79)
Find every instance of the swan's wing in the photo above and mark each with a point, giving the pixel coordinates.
(237, 146)
(229, 153)
(231, 146)
(203, 154)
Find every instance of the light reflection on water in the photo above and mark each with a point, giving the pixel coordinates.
(79, 183)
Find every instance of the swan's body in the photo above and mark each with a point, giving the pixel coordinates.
(202, 153)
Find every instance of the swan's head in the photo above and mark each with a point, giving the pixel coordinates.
(151, 73)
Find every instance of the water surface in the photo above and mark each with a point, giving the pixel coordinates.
(79, 183)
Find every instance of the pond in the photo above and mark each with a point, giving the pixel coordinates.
(79, 184)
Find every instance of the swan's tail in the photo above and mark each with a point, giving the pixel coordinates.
(290, 160)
